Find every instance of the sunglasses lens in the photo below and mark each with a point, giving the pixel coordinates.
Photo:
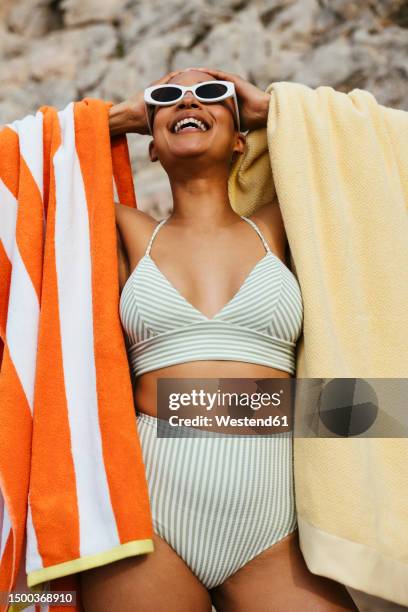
(166, 94)
(210, 91)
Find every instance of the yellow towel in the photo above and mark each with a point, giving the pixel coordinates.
(338, 165)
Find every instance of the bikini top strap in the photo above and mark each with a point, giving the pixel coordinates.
(258, 231)
(153, 236)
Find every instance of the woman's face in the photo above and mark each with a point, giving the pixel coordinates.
(214, 145)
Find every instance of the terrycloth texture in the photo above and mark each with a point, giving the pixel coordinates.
(71, 470)
(340, 174)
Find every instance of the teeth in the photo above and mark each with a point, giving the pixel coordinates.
(182, 122)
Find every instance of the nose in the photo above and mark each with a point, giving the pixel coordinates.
(188, 100)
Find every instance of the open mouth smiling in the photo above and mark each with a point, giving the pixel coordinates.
(189, 124)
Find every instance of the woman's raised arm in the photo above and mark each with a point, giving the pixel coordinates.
(130, 115)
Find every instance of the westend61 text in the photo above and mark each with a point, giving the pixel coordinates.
(227, 421)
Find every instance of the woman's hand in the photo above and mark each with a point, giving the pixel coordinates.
(130, 116)
(253, 102)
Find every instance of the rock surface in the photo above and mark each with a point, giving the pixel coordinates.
(55, 51)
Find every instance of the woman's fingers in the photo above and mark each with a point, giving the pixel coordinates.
(220, 74)
(214, 71)
(166, 77)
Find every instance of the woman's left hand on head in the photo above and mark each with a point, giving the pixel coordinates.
(252, 101)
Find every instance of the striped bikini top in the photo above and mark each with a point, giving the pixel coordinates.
(260, 324)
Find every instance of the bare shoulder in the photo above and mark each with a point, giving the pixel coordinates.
(269, 220)
(128, 214)
(135, 228)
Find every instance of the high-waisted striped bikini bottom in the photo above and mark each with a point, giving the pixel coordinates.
(218, 500)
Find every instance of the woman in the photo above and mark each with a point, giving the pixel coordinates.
(182, 302)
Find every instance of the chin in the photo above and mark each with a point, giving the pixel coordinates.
(188, 147)
(193, 146)
(187, 152)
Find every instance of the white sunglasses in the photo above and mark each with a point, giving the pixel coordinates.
(206, 91)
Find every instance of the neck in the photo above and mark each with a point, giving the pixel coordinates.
(202, 201)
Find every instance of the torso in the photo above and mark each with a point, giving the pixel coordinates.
(200, 279)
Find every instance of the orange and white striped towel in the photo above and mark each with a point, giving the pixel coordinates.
(73, 493)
